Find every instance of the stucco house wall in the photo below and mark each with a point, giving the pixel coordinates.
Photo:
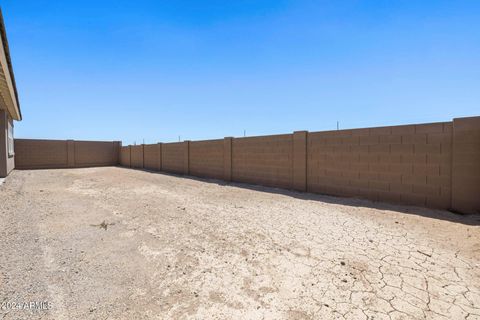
(7, 162)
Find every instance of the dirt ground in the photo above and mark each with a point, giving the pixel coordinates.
(114, 243)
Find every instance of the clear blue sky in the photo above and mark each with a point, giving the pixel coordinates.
(154, 70)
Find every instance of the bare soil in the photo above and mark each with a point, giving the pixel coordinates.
(114, 243)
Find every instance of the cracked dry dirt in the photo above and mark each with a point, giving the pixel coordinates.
(113, 243)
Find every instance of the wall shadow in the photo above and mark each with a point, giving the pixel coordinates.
(471, 219)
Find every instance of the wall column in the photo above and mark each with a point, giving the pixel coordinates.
(117, 146)
(159, 166)
(186, 157)
(227, 158)
(130, 156)
(299, 171)
(71, 153)
(466, 165)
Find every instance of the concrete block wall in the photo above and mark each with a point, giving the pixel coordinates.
(52, 154)
(173, 157)
(125, 156)
(466, 165)
(227, 158)
(404, 164)
(206, 158)
(263, 160)
(434, 165)
(41, 154)
(136, 157)
(152, 154)
(299, 165)
(96, 153)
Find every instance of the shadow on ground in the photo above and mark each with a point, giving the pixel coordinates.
(472, 220)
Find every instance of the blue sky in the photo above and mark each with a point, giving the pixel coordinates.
(157, 70)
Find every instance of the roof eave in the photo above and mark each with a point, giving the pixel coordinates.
(3, 34)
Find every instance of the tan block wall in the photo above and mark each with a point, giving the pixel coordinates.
(173, 157)
(263, 160)
(404, 164)
(206, 158)
(227, 158)
(125, 156)
(434, 165)
(136, 157)
(52, 154)
(40, 154)
(299, 166)
(186, 156)
(93, 153)
(466, 165)
(152, 156)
